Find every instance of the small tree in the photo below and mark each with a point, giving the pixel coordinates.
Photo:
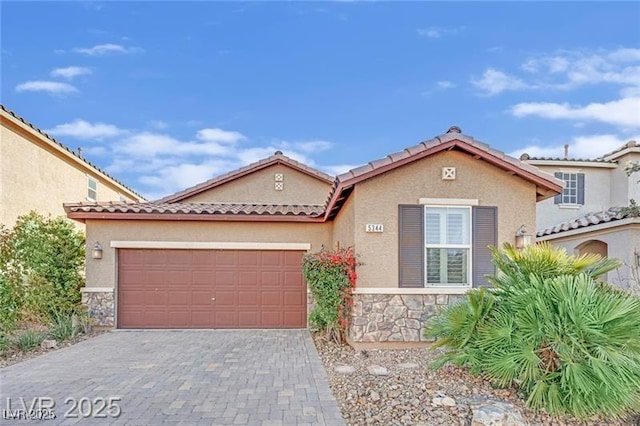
(41, 265)
(331, 276)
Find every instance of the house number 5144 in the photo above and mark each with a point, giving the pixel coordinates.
(374, 227)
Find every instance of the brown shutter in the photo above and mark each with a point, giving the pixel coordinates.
(485, 234)
(558, 198)
(411, 245)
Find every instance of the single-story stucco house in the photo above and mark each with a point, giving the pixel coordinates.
(227, 253)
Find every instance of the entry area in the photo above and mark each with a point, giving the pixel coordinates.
(182, 288)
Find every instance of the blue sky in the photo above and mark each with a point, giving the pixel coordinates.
(164, 95)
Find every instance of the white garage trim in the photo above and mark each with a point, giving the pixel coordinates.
(192, 245)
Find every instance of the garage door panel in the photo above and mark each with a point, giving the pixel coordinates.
(173, 289)
(270, 279)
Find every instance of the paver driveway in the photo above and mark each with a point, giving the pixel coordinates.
(257, 377)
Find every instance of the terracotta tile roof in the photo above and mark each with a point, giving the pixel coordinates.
(594, 218)
(546, 184)
(581, 160)
(73, 153)
(195, 209)
(276, 158)
(629, 145)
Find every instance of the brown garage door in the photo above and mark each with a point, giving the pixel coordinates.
(211, 289)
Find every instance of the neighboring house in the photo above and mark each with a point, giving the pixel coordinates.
(39, 173)
(588, 216)
(227, 253)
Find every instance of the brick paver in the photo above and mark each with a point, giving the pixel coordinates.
(221, 377)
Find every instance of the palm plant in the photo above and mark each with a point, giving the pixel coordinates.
(567, 340)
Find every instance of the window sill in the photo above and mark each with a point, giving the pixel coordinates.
(404, 290)
(570, 206)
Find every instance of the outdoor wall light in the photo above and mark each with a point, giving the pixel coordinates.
(523, 239)
(96, 252)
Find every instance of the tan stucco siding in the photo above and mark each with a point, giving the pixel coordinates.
(103, 272)
(377, 200)
(259, 188)
(343, 225)
(33, 177)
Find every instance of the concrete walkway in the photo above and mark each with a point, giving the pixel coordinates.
(203, 377)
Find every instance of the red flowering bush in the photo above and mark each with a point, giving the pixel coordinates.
(331, 276)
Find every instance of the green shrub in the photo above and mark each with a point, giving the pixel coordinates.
(330, 276)
(28, 340)
(569, 342)
(41, 266)
(63, 327)
(5, 343)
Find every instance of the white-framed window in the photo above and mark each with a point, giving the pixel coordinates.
(573, 192)
(447, 246)
(92, 189)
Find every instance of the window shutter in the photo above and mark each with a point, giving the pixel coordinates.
(411, 246)
(581, 188)
(485, 233)
(558, 198)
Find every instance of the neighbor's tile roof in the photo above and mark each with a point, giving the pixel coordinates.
(590, 219)
(75, 154)
(276, 158)
(196, 209)
(579, 160)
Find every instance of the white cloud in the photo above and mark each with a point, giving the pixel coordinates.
(624, 112)
(338, 169)
(148, 145)
(438, 32)
(585, 147)
(53, 87)
(107, 48)
(158, 124)
(313, 146)
(494, 81)
(70, 72)
(220, 136)
(445, 85)
(178, 177)
(82, 129)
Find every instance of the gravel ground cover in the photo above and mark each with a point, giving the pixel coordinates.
(412, 394)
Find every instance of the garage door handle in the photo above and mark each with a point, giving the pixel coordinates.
(213, 299)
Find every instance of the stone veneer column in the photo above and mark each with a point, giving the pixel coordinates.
(100, 305)
(394, 318)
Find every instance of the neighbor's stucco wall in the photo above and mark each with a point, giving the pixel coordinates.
(377, 200)
(623, 187)
(343, 225)
(259, 188)
(36, 177)
(598, 194)
(103, 272)
(622, 242)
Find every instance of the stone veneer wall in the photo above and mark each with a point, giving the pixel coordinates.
(101, 307)
(394, 318)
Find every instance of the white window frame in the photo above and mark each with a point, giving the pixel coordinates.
(566, 198)
(468, 247)
(89, 189)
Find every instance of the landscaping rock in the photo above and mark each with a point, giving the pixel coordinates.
(48, 344)
(344, 369)
(447, 401)
(374, 396)
(408, 365)
(495, 413)
(377, 370)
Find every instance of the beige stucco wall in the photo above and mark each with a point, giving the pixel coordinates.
(377, 200)
(34, 176)
(259, 188)
(102, 273)
(622, 243)
(343, 225)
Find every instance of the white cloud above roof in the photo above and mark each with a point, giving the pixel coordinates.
(69, 72)
(81, 129)
(52, 87)
(107, 48)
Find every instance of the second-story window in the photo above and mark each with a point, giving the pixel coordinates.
(573, 192)
(92, 189)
